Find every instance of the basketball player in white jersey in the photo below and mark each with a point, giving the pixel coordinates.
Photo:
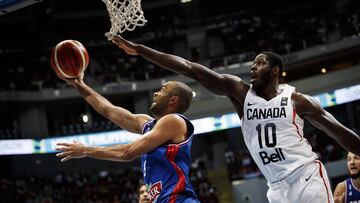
(272, 122)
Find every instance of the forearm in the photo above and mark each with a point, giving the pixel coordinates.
(198, 72)
(343, 135)
(113, 153)
(338, 200)
(98, 102)
(347, 139)
(167, 61)
(326, 122)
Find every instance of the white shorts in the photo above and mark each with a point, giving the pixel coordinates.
(309, 183)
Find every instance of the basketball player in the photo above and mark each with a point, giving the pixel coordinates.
(164, 147)
(348, 191)
(272, 122)
(143, 195)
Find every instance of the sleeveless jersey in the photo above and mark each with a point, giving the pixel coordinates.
(166, 169)
(352, 193)
(273, 133)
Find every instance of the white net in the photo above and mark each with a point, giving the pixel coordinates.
(124, 15)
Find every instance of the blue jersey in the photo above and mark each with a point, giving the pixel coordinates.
(352, 193)
(166, 169)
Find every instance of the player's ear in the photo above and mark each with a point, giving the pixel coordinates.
(276, 70)
(174, 99)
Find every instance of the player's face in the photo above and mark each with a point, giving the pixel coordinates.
(353, 163)
(260, 71)
(161, 99)
(143, 195)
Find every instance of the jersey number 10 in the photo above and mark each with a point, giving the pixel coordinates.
(269, 128)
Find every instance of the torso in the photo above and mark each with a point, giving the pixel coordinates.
(352, 194)
(166, 169)
(273, 133)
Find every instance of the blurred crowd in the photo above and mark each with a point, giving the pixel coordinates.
(204, 189)
(231, 33)
(101, 187)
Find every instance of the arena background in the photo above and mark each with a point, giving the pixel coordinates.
(319, 41)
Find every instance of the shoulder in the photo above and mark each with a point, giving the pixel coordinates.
(305, 104)
(171, 120)
(340, 188)
(235, 80)
(237, 88)
(300, 97)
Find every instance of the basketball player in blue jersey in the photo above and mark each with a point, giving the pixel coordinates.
(271, 121)
(164, 147)
(348, 191)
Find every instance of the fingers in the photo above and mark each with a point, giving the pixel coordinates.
(62, 154)
(62, 148)
(63, 144)
(66, 158)
(117, 40)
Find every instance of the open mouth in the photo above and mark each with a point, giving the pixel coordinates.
(252, 76)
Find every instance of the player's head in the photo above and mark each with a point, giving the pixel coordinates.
(173, 97)
(267, 67)
(353, 164)
(143, 195)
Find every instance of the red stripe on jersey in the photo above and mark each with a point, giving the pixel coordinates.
(322, 177)
(171, 153)
(297, 127)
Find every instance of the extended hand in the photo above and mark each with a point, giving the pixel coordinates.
(74, 150)
(127, 46)
(74, 81)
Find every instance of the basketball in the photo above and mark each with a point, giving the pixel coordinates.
(69, 59)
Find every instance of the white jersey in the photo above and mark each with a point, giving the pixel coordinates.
(273, 133)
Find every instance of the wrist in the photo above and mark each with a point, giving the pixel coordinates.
(89, 151)
(78, 83)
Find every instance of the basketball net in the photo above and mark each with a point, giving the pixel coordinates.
(124, 15)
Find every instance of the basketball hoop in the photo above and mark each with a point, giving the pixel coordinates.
(124, 15)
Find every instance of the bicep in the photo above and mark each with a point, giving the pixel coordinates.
(162, 132)
(127, 120)
(339, 190)
(324, 121)
(311, 110)
(221, 84)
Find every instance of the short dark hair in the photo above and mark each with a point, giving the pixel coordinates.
(185, 94)
(274, 60)
(139, 187)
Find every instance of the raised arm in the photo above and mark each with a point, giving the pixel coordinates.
(221, 84)
(171, 128)
(311, 110)
(120, 116)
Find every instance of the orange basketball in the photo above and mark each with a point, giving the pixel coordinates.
(69, 59)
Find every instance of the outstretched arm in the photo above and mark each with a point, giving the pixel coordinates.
(120, 116)
(162, 132)
(311, 110)
(222, 84)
